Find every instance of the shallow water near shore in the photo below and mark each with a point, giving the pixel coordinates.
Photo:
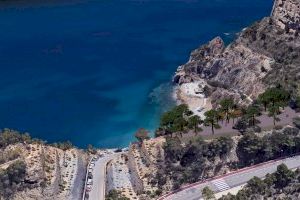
(93, 72)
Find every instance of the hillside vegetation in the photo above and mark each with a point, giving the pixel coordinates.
(190, 158)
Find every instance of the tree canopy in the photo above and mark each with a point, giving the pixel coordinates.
(12, 179)
(275, 96)
(226, 105)
(142, 134)
(282, 184)
(207, 193)
(211, 119)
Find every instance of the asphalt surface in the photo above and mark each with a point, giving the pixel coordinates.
(99, 177)
(222, 183)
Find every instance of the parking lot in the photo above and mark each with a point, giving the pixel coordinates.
(96, 175)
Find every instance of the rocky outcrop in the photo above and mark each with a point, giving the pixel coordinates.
(231, 71)
(202, 63)
(286, 14)
(136, 180)
(263, 55)
(49, 172)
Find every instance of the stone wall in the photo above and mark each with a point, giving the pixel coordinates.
(109, 178)
(137, 182)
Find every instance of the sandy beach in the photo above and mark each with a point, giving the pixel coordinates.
(191, 94)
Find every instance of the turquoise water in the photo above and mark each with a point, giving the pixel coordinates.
(93, 72)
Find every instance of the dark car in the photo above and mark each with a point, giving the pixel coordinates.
(118, 150)
(86, 196)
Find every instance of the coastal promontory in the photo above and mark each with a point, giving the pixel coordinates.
(234, 135)
(267, 53)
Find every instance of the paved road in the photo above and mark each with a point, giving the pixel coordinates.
(99, 177)
(222, 183)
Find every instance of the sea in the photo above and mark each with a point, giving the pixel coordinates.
(95, 71)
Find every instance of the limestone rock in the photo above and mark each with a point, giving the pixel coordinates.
(262, 56)
(201, 62)
(286, 14)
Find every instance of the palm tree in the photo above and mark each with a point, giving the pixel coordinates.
(221, 115)
(180, 125)
(226, 106)
(281, 97)
(276, 95)
(273, 112)
(194, 123)
(211, 120)
(251, 113)
(264, 99)
(235, 114)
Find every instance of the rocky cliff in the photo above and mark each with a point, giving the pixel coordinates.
(31, 169)
(286, 14)
(264, 54)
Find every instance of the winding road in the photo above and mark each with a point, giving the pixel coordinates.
(99, 177)
(231, 180)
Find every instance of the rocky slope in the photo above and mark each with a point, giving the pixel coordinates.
(264, 54)
(286, 14)
(31, 169)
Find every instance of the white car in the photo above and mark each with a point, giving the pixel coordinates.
(90, 181)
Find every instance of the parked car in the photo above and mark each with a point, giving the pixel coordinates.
(88, 188)
(200, 109)
(118, 150)
(90, 181)
(86, 195)
(95, 158)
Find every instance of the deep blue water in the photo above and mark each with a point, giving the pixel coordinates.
(92, 72)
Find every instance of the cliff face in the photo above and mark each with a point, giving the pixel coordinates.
(48, 172)
(286, 14)
(264, 54)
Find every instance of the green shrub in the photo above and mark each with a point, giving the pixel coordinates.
(12, 179)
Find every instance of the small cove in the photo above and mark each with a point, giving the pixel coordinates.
(93, 72)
